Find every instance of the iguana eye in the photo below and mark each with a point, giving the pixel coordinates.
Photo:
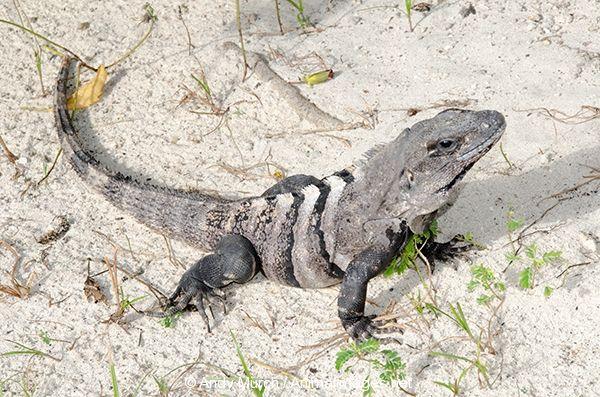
(442, 147)
(446, 145)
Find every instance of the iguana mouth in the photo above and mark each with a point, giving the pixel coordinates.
(473, 155)
(456, 179)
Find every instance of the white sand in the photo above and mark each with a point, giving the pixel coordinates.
(509, 56)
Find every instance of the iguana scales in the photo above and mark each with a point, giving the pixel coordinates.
(304, 231)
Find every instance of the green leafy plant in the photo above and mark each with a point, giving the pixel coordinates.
(417, 302)
(161, 383)
(410, 252)
(454, 386)
(535, 260)
(457, 316)
(528, 274)
(469, 238)
(482, 341)
(512, 225)
(387, 362)
(45, 338)
(483, 277)
(203, 84)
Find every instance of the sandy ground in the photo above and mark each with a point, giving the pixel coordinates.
(514, 57)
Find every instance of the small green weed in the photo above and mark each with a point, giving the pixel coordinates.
(302, 19)
(24, 350)
(512, 225)
(126, 302)
(388, 364)
(169, 321)
(454, 386)
(257, 391)
(408, 8)
(528, 274)
(161, 383)
(534, 259)
(483, 277)
(45, 338)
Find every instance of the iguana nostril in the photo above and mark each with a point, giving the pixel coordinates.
(485, 125)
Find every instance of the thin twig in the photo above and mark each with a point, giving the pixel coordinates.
(187, 31)
(583, 115)
(572, 266)
(51, 167)
(588, 179)
(150, 287)
(510, 164)
(256, 323)
(83, 63)
(112, 271)
(277, 370)
(17, 289)
(172, 257)
(239, 28)
(189, 367)
(23, 18)
(11, 157)
(149, 16)
(278, 13)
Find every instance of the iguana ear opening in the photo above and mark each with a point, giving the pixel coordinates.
(410, 177)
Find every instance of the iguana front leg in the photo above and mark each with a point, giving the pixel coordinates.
(353, 293)
(234, 261)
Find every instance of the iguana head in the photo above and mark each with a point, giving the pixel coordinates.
(440, 151)
(418, 173)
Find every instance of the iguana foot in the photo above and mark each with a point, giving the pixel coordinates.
(189, 291)
(454, 248)
(234, 261)
(365, 327)
(353, 292)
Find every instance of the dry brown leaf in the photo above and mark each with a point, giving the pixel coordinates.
(92, 291)
(90, 92)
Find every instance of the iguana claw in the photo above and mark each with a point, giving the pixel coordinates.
(452, 249)
(234, 261)
(365, 327)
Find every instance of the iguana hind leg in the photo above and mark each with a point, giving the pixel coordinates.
(234, 261)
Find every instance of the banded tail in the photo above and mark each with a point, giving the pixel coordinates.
(179, 213)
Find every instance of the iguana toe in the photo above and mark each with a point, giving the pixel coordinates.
(366, 327)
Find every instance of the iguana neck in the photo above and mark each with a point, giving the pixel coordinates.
(374, 193)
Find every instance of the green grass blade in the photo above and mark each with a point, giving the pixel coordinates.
(258, 392)
(113, 379)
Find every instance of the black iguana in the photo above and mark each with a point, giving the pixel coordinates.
(304, 231)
